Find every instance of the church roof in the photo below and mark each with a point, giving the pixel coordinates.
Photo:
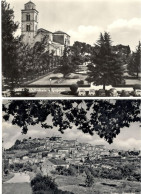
(43, 30)
(60, 32)
(29, 2)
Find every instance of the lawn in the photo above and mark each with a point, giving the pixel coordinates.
(16, 188)
(77, 185)
(58, 79)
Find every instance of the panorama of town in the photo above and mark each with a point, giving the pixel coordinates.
(69, 162)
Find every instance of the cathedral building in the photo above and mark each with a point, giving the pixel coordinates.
(31, 34)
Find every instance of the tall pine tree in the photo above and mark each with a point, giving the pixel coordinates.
(9, 43)
(134, 64)
(106, 67)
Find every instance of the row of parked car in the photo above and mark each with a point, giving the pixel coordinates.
(112, 92)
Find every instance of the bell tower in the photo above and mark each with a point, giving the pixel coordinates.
(29, 22)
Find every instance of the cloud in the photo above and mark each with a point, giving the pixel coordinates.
(129, 138)
(129, 144)
(88, 34)
(126, 32)
(132, 24)
(123, 31)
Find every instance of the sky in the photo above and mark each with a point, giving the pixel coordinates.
(83, 20)
(128, 139)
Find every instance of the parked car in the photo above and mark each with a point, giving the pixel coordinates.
(101, 93)
(137, 92)
(91, 92)
(82, 92)
(113, 92)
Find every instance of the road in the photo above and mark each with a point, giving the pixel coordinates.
(19, 184)
(19, 178)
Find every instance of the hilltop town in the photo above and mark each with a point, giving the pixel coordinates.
(50, 152)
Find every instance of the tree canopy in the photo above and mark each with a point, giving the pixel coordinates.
(134, 64)
(103, 117)
(9, 43)
(106, 66)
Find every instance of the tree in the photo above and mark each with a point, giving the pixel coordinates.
(33, 61)
(43, 183)
(106, 67)
(89, 181)
(66, 65)
(17, 142)
(89, 116)
(134, 64)
(9, 43)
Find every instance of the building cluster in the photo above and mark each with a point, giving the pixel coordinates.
(54, 152)
(56, 41)
(51, 152)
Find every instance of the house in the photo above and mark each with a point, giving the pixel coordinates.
(50, 164)
(25, 158)
(63, 150)
(56, 155)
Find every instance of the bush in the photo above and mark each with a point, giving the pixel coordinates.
(43, 183)
(71, 171)
(124, 93)
(89, 181)
(81, 82)
(74, 88)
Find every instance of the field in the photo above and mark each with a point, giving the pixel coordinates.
(16, 188)
(77, 185)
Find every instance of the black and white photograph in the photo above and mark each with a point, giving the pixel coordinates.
(71, 146)
(71, 48)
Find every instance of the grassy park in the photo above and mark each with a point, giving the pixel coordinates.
(77, 185)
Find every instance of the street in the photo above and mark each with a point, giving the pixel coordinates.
(19, 184)
(19, 178)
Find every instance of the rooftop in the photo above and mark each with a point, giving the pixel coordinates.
(57, 162)
(43, 30)
(30, 3)
(60, 32)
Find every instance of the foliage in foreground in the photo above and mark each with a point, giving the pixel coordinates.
(89, 181)
(45, 185)
(9, 43)
(105, 117)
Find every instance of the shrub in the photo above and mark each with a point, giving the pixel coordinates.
(6, 171)
(74, 88)
(46, 185)
(89, 181)
(124, 93)
(43, 183)
(81, 82)
(71, 171)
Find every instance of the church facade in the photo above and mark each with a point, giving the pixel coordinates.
(31, 34)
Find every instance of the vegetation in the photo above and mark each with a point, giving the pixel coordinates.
(21, 62)
(106, 67)
(64, 113)
(89, 181)
(74, 88)
(71, 171)
(134, 61)
(45, 185)
(68, 63)
(9, 43)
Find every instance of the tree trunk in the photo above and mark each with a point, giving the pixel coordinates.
(137, 74)
(103, 86)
